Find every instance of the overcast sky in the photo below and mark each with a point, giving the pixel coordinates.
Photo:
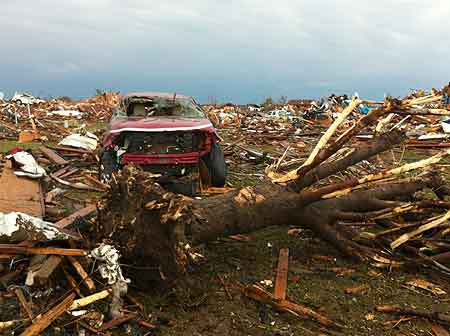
(235, 50)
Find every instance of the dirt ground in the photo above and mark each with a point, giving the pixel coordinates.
(200, 304)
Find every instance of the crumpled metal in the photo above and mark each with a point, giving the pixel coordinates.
(87, 141)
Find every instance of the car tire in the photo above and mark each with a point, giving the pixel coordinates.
(108, 165)
(217, 167)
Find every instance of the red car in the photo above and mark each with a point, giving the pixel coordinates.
(164, 133)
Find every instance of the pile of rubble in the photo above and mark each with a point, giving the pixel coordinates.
(55, 274)
(30, 118)
(49, 269)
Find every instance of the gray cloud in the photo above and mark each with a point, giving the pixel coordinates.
(234, 50)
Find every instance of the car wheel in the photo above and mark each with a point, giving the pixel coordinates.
(215, 161)
(108, 166)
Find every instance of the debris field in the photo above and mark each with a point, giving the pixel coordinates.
(334, 220)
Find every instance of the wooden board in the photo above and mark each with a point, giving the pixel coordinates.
(20, 194)
(40, 324)
(83, 274)
(439, 330)
(282, 273)
(18, 249)
(53, 156)
(67, 221)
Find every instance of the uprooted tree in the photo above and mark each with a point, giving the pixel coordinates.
(153, 227)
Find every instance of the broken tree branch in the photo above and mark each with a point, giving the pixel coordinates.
(328, 151)
(433, 315)
(378, 145)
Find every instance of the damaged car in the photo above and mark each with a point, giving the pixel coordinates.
(26, 98)
(166, 134)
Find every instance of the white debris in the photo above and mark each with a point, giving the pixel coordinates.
(109, 268)
(22, 226)
(28, 165)
(78, 312)
(66, 113)
(196, 257)
(433, 136)
(53, 193)
(445, 123)
(266, 283)
(87, 141)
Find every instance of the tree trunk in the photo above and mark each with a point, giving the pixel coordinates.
(151, 226)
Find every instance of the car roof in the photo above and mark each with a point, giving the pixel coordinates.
(167, 95)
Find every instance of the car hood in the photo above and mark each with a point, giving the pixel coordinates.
(159, 124)
(156, 124)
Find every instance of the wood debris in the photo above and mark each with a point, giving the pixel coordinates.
(259, 294)
(425, 285)
(430, 315)
(282, 275)
(53, 156)
(16, 249)
(345, 173)
(439, 330)
(357, 290)
(85, 278)
(41, 323)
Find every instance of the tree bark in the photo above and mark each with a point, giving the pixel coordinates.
(152, 227)
(340, 142)
(378, 145)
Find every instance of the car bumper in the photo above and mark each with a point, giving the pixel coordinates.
(162, 159)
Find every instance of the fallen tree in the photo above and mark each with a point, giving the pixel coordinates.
(157, 225)
(154, 228)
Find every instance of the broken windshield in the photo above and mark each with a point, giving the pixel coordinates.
(159, 107)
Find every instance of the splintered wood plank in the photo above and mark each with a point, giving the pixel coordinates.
(439, 330)
(77, 304)
(73, 217)
(17, 249)
(47, 268)
(259, 294)
(53, 156)
(26, 306)
(43, 322)
(20, 194)
(71, 150)
(83, 274)
(72, 282)
(95, 182)
(116, 322)
(282, 273)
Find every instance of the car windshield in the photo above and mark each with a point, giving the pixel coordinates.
(160, 107)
